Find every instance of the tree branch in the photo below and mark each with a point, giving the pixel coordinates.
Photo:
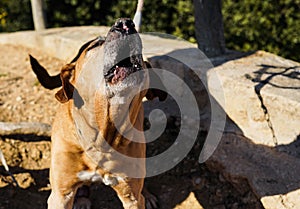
(25, 128)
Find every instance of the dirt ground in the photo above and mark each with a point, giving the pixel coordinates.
(187, 186)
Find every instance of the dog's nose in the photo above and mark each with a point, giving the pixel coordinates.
(125, 24)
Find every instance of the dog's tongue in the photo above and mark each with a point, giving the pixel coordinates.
(120, 74)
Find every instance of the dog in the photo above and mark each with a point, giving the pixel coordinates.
(97, 133)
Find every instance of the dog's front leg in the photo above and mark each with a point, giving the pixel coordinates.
(130, 193)
(67, 193)
(64, 169)
(58, 201)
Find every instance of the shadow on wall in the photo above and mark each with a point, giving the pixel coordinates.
(271, 72)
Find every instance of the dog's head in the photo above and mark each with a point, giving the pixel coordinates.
(114, 66)
(123, 64)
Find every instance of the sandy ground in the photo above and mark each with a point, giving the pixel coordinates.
(187, 186)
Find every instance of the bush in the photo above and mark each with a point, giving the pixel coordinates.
(267, 25)
(15, 15)
(77, 12)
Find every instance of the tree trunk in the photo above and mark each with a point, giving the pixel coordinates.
(209, 27)
(38, 14)
(138, 15)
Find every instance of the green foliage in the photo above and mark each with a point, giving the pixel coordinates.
(15, 15)
(249, 24)
(77, 12)
(273, 26)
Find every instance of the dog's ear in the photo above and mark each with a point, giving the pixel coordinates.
(47, 81)
(155, 81)
(66, 92)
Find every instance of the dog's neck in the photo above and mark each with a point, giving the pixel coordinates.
(122, 121)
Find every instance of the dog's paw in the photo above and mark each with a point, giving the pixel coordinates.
(82, 203)
(150, 199)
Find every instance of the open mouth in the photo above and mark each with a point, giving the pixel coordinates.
(122, 70)
(122, 43)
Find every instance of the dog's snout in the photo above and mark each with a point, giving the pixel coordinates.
(123, 49)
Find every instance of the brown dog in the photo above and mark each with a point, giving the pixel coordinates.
(97, 134)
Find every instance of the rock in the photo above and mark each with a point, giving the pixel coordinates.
(272, 175)
(190, 202)
(261, 94)
(282, 201)
(25, 180)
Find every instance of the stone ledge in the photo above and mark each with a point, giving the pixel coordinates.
(272, 175)
(63, 43)
(262, 96)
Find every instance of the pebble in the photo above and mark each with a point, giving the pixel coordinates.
(193, 170)
(18, 98)
(219, 193)
(198, 180)
(221, 178)
(235, 205)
